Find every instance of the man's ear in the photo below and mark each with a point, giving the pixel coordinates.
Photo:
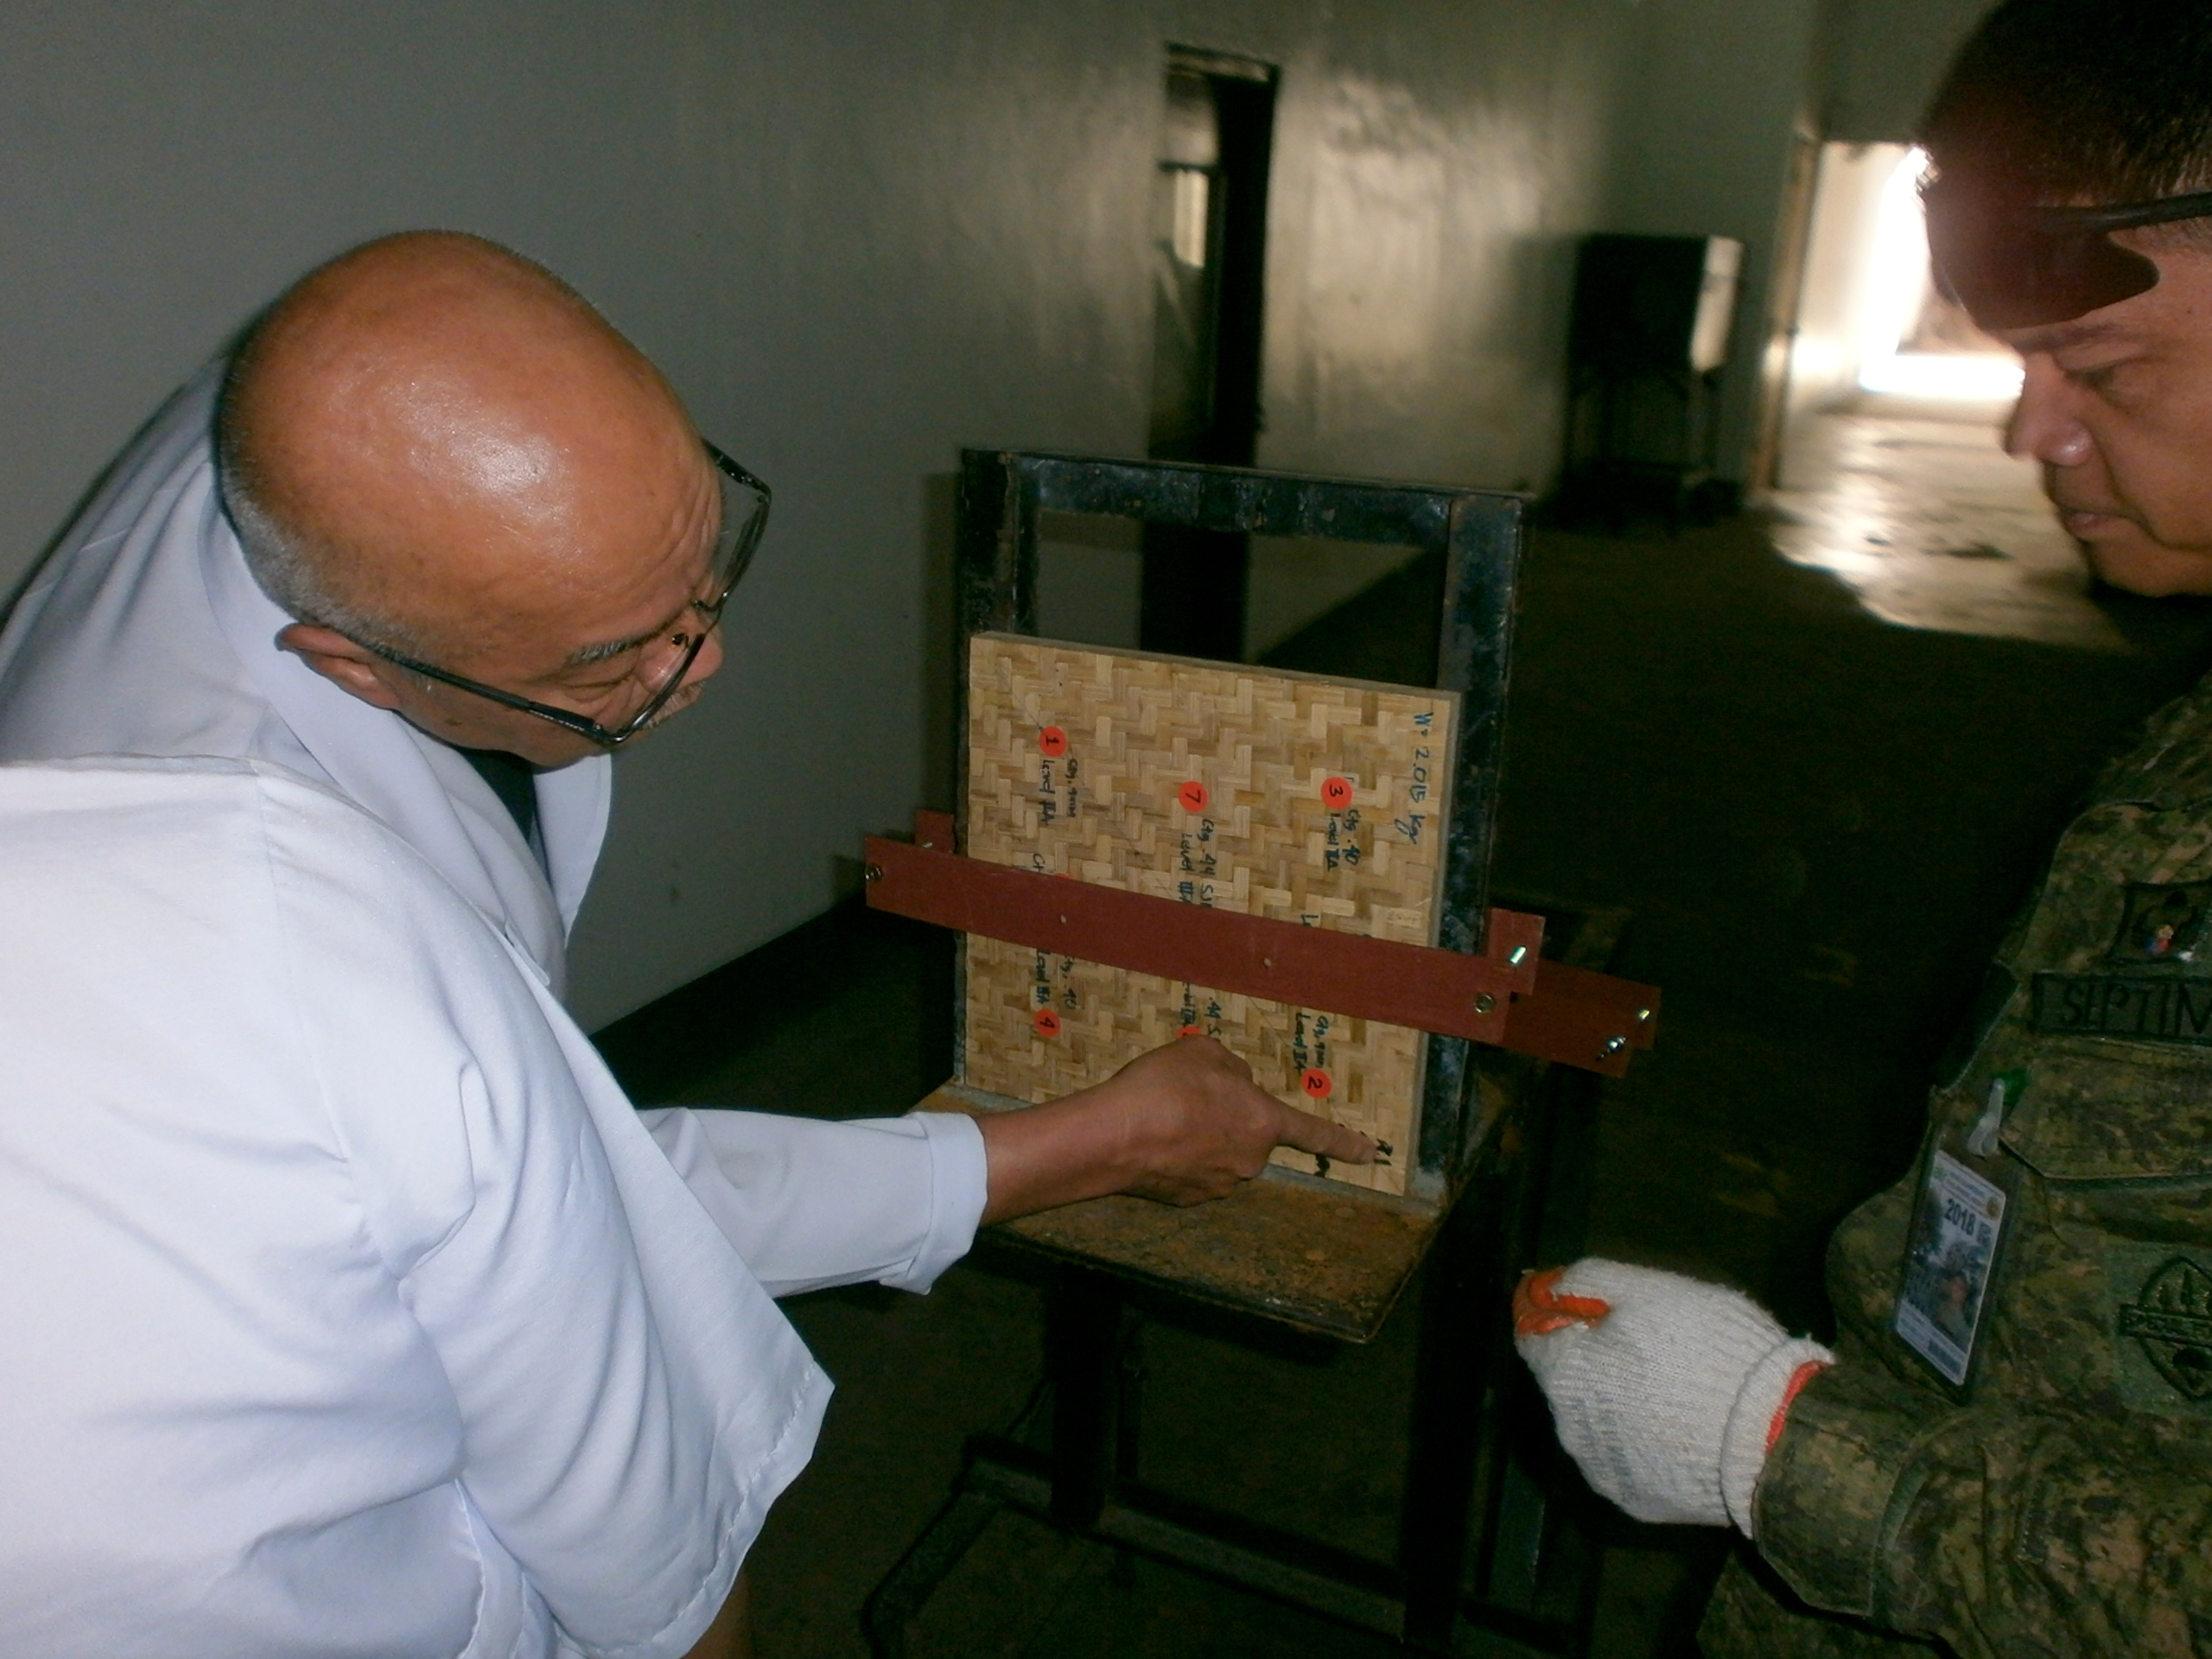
(353, 668)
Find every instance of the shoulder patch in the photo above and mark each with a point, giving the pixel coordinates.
(2171, 1318)
(2163, 925)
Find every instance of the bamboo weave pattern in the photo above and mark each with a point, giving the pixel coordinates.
(1292, 796)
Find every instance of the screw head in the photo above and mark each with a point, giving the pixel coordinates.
(1484, 1003)
(1612, 1046)
(872, 873)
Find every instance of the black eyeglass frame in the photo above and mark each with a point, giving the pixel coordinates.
(736, 560)
(2027, 267)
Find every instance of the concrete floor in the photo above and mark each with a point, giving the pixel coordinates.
(1817, 753)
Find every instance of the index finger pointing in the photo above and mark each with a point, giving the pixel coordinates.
(1317, 1134)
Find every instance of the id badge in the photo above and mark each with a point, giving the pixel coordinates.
(1951, 1255)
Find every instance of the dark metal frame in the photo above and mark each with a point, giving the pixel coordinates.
(1484, 1175)
(1478, 532)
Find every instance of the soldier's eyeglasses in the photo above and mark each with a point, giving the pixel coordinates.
(2026, 267)
(745, 515)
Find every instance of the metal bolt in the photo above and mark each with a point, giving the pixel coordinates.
(872, 873)
(1517, 955)
(1612, 1046)
(1484, 1003)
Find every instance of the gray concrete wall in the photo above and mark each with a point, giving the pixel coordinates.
(1891, 55)
(858, 235)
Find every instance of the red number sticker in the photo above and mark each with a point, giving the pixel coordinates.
(1193, 795)
(1188, 1031)
(1047, 1023)
(1053, 741)
(1316, 1082)
(1336, 794)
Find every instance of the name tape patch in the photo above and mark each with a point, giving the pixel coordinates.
(2140, 1007)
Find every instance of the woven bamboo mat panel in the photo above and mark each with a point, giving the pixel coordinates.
(1311, 799)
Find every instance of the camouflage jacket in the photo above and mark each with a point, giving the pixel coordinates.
(2061, 1502)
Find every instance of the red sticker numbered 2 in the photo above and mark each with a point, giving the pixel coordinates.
(1316, 1083)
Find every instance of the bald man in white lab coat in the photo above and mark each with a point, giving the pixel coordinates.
(439, 540)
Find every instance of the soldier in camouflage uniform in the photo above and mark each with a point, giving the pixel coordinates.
(2064, 1505)
(2010, 1452)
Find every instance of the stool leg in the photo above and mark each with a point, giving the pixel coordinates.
(1462, 1315)
(1082, 1358)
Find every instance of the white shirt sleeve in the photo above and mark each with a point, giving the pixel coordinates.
(810, 1202)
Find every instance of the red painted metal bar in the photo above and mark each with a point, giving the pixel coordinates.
(1544, 1008)
(1584, 1018)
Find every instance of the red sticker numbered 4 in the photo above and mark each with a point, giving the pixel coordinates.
(1053, 741)
(1316, 1083)
(1336, 794)
(1193, 796)
(1047, 1023)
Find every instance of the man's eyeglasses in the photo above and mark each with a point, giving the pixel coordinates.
(745, 515)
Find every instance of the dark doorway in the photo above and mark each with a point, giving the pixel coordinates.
(1210, 234)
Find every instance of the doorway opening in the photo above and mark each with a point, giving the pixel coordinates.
(1209, 259)
(1869, 317)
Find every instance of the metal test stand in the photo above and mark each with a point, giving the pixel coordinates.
(1504, 997)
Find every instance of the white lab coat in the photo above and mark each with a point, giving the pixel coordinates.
(348, 1308)
(144, 633)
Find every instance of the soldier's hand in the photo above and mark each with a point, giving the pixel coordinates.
(1666, 1391)
(1182, 1124)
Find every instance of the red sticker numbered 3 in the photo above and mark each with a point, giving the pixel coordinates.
(1336, 793)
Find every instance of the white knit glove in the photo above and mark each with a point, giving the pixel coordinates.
(1666, 1392)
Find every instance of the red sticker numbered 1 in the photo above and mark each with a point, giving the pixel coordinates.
(1193, 795)
(1336, 794)
(1047, 1023)
(1053, 741)
(1316, 1082)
